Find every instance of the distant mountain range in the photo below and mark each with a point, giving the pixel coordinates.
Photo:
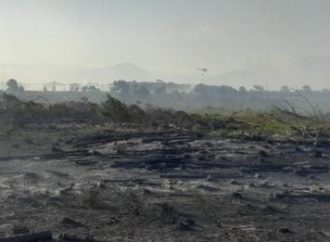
(34, 76)
(314, 71)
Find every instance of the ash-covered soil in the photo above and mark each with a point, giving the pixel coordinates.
(107, 185)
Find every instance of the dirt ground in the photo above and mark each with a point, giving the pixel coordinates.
(96, 184)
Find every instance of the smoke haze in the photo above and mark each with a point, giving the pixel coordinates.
(271, 43)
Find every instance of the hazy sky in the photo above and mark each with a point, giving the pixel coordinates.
(169, 35)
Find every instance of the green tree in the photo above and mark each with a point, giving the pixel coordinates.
(285, 89)
(242, 90)
(90, 88)
(259, 88)
(13, 86)
(307, 89)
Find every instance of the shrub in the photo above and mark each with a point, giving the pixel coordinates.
(115, 110)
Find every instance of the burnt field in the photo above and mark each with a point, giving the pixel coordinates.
(91, 183)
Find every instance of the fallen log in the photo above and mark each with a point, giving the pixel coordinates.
(136, 180)
(178, 176)
(199, 165)
(113, 137)
(73, 153)
(85, 162)
(160, 193)
(321, 197)
(164, 151)
(17, 157)
(202, 176)
(74, 238)
(154, 164)
(263, 168)
(32, 237)
(54, 155)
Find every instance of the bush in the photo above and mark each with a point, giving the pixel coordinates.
(115, 110)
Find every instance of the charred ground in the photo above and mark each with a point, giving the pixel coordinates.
(167, 177)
